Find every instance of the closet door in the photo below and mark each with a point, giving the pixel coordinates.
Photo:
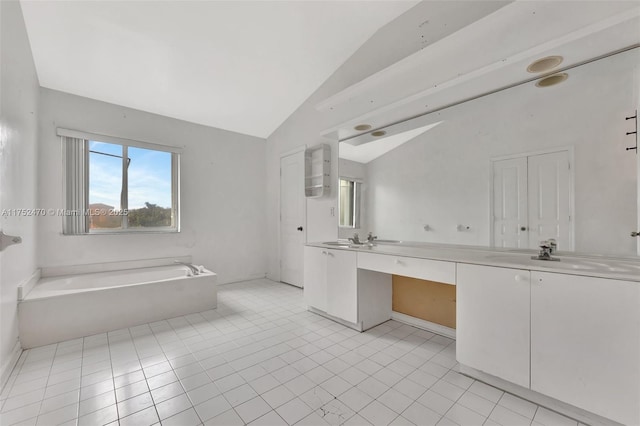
(510, 222)
(549, 188)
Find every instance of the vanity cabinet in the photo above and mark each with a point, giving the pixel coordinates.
(492, 318)
(585, 343)
(330, 282)
(572, 338)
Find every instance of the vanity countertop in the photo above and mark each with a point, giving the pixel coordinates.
(593, 266)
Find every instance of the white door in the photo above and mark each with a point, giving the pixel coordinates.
(550, 199)
(532, 201)
(510, 209)
(492, 321)
(292, 218)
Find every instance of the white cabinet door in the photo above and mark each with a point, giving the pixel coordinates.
(342, 286)
(492, 318)
(315, 277)
(585, 343)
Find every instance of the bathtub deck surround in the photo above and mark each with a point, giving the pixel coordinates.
(259, 357)
(76, 301)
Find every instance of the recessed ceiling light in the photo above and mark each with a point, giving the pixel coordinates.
(544, 64)
(378, 133)
(362, 127)
(552, 80)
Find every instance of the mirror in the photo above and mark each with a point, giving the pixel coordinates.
(511, 168)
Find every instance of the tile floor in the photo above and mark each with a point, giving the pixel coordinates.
(259, 359)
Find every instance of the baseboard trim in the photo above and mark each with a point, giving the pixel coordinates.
(9, 365)
(552, 404)
(425, 325)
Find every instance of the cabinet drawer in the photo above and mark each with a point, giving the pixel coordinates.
(425, 269)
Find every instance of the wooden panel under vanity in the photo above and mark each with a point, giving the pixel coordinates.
(428, 300)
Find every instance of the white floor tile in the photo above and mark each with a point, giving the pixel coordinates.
(435, 402)
(464, 416)
(166, 392)
(212, 407)
(395, 400)
(173, 406)
(476, 403)
(373, 387)
(264, 383)
(550, 418)
(518, 405)
(145, 417)
(102, 416)
(237, 396)
(293, 411)
(203, 393)
(59, 416)
(259, 358)
(378, 414)
(252, 409)
(135, 404)
(355, 399)
(418, 414)
(96, 403)
(273, 419)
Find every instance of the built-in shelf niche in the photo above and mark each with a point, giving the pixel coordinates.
(317, 171)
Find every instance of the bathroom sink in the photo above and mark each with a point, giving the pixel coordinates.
(337, 243)
(596, 266)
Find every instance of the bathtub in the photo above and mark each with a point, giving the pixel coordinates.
(63, 307)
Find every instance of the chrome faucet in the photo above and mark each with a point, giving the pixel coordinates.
(355, 239)
(546, 249)
(371, 237)
(194, 269)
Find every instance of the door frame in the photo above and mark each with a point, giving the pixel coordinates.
(571, 151)
(284, 154)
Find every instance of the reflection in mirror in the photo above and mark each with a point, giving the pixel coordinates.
(349, 206)
(514, 167)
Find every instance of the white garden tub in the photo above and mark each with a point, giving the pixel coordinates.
(66, 307)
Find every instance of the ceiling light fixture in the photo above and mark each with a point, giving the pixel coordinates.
(362, 127)
(552, 80)
(378, 133)
(545, 64)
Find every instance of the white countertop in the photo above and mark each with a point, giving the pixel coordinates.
(593, 266)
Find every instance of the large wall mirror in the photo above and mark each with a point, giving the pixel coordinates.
(508, 169)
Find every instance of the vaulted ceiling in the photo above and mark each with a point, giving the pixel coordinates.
(243, 66)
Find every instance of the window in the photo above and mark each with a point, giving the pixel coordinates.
(114, 185)
(349, 207)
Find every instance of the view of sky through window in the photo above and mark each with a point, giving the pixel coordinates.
(149, 176)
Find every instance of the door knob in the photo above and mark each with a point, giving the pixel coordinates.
(635, 233)
(300, 228)
(523, 228)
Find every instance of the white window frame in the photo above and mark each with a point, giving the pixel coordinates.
(80, 182)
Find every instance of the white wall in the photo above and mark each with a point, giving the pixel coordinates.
(398, 39)
(18, 126)
(222, 191)
(442, 177)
